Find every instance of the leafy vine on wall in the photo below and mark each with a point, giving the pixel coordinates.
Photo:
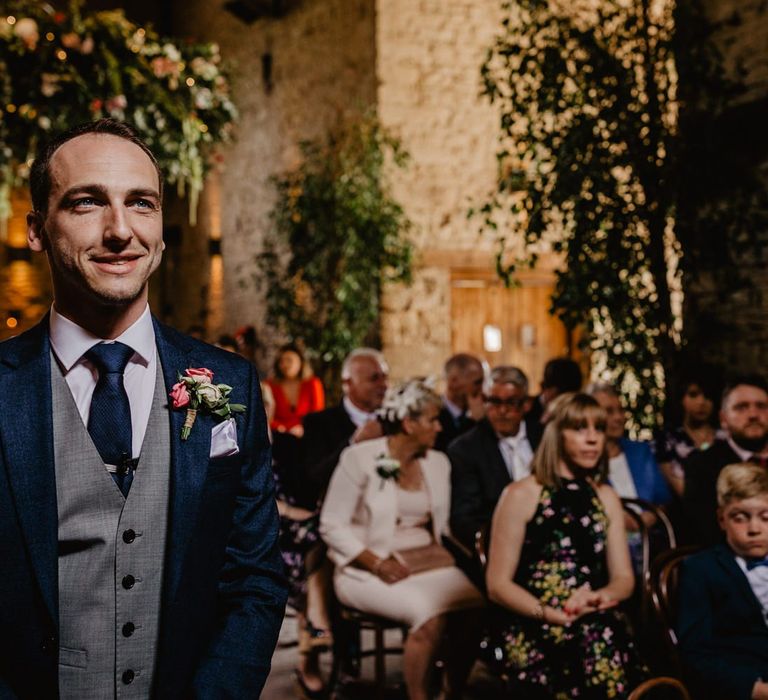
(338, 236)
(587, 94)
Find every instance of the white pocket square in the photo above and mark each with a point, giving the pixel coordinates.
(224, 439)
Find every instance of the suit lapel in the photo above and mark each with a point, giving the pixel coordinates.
(735, 574)
(494, 458)
(26, 424)
(189, 458)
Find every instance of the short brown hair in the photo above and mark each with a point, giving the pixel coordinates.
(740, 481)
(572, 411)
(40, 174)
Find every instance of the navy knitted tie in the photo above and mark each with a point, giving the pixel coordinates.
(109, 422)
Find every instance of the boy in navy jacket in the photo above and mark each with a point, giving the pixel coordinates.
(723, 595)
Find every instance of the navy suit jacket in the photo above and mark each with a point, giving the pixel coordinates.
(700, 493)
(326, 436)
(720, 628)
(223, 592)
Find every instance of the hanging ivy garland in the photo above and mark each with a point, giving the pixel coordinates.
(59, 69)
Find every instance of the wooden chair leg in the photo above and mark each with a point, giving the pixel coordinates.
(380, 671)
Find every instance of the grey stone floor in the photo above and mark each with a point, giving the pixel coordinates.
(281, 686)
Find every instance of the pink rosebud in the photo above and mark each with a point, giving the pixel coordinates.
(201, 373)
(180, 395)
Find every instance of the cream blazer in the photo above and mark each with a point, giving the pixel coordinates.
(360, 508)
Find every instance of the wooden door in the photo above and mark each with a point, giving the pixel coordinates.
(483, 311)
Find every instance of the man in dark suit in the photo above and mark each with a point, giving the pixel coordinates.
(495, 452)
(744, 417)
(463, 400)
(723, 595)
(136, 562)
(326, 433)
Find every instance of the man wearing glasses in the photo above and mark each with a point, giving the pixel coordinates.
(499, 449)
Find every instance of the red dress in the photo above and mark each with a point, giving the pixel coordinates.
(311, 398)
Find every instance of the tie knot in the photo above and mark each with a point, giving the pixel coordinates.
(110, 358)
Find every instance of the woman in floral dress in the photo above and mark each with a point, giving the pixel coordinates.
(559, 563)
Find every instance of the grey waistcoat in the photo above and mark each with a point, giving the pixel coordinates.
(111, 553)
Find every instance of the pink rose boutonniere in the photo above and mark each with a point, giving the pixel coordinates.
(196, 391)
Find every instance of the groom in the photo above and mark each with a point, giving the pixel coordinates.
(133, 563)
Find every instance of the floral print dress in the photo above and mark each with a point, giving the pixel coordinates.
(564, 548)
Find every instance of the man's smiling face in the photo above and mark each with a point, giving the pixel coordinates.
(103, 230)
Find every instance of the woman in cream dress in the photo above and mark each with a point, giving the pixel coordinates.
(388, 496)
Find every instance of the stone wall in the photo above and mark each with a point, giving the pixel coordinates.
(428, 64)
(294, 78)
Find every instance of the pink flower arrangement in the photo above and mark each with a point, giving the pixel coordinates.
(195, 391)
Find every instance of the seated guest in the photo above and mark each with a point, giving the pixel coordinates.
(632, 468)
(691, 427)
(383, 517)
(327, 433)
(463, 400)
(496, 451)
(296, 390)
(562, 375)
(723, 595)
(559, 563)
(744, 418)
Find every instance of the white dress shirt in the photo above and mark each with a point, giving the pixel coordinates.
(517, 453)
(357, 415)
(620, 476)
(758, 582)
(70, 342)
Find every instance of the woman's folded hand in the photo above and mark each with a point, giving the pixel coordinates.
(390, 570)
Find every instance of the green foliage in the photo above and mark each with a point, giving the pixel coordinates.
(59, 69)
(338, 236)
(587, 96)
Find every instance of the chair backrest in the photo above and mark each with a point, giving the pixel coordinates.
(663, 590)
(654, 540)
(650, 687)
(634, 507)
(481, 545)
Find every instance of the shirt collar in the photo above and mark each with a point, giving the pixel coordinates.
(357, 415)
(517, 438)
(741, 453)
(71, 341)
(453, 409)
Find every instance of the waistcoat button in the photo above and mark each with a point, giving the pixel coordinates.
(128, 676)
(128, 629)
(128, 582)
(129, 536)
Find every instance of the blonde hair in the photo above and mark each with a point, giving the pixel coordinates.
(573, 411)
(740, 481)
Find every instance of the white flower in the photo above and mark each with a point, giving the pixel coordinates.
(210, 394)
(405, 398)
(172, 52)
(204, 99)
